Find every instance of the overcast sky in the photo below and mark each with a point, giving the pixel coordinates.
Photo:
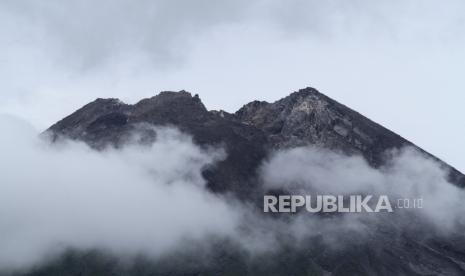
(400, 63)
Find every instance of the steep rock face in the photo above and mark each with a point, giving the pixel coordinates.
(110, 122)
(307, 117)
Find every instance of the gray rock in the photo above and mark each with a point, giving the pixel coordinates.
(305, 117)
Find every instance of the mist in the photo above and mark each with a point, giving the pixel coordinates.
(397, 62)
(151, 199)
(142, 199)
(407, 174)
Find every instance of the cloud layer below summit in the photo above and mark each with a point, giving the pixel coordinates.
(152, 200)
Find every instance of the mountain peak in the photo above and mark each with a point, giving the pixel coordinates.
(308, 117)
(306, 92)
(166, 97)
(305, 117)
(177, 103)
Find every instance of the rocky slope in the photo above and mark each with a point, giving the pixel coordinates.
(110, 122)
(306, 117)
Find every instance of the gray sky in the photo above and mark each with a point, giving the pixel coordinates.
(400, 63)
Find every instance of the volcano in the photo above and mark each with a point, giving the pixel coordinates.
(248, 136)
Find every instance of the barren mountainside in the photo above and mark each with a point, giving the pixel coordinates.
(305, 117)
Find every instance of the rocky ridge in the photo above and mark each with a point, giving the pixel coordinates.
(305, 117)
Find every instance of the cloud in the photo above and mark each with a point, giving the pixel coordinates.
(64, 54)
(373, 56)
(151, 200)
(86, 34)
(408, 174)
(141, 199)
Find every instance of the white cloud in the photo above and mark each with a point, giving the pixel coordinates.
(141, 199)
(151, 199)
(408, 174)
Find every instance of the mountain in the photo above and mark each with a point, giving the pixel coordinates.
(110, 122)
(305, 117)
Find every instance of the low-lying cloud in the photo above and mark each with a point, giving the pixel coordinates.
(151, 199)
(407, 174)
(140, 199)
